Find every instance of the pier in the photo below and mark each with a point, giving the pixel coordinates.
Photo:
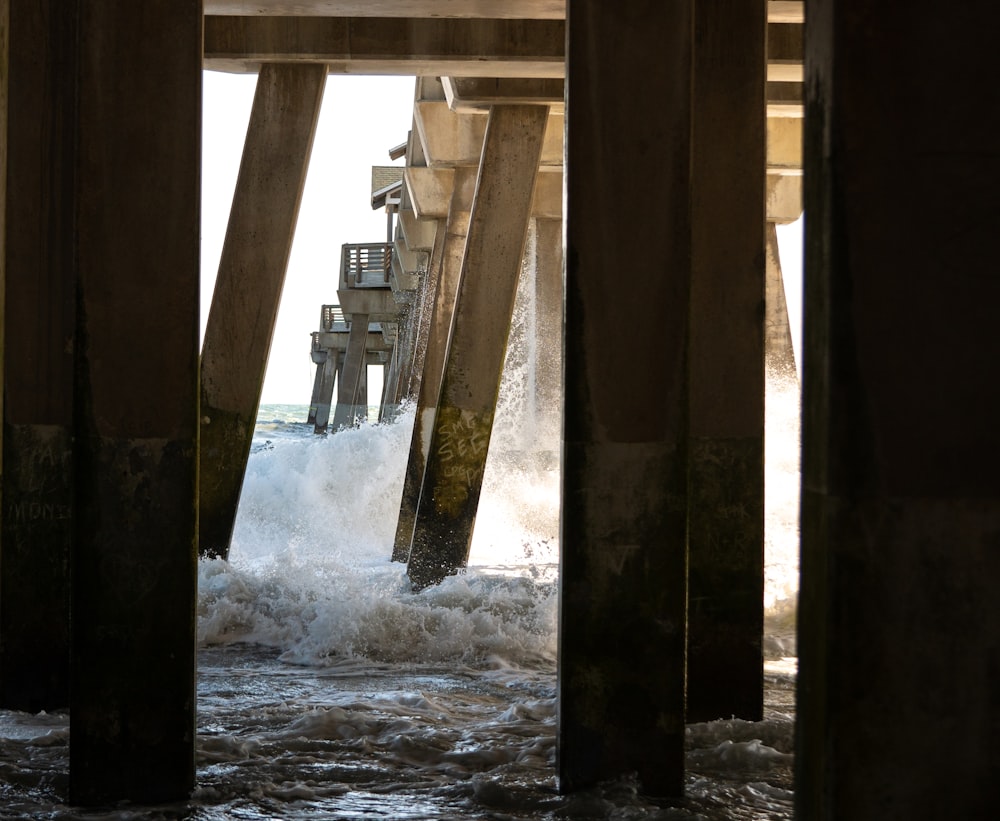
(570, 131)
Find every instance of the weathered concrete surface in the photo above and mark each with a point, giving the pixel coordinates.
(248, 287)
(445, 292)
(548, 298)
(138, 138)
(330, 372)
(514, 9)
(349, 405)
(430, 192)
(898, 708)
(421, 318)
(624, 506)
(37, 285)
(450, 138)
(494, 249)
(779, 353)
(366, 45)
(726, 365)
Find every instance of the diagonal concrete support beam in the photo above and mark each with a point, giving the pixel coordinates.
(248, 288)
(442, 291)
(494, 250)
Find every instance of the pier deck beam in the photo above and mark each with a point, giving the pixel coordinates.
(494, 250)
(137, 238)
(442, 283)
(38, 274)
(624, 508)
(899, 657)
(726, 365)
(248, 287)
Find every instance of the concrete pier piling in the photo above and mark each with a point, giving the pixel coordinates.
(38, 278)
(249, 283)
(624, 504)
(138, 120)
(449, 251)
(899, 657)
(349, 406)
(726, 364)
(664, 308)
(470, 382)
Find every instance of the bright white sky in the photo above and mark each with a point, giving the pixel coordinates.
(362, 118)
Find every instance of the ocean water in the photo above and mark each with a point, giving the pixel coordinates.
(327, 689)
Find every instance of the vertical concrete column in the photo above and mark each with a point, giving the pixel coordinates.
(443, 279)
(726, 363)
(899, 628)
(623, 534)
(37, 156)
(779, 354)
(326, 375)
(319, 358)
(132, 704)
(248, 287)
(498, 226)
(349, 380)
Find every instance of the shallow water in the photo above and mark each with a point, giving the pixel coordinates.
(327, 689)
(356, 739)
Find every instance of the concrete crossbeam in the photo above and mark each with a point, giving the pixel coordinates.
(417, 233)
(784, 195)
(784, 142)
(364, 45)
(430, 192)
(779, 11)
(450, 138)
(337, 341)
(497, 9)
(474, 93)
(378, 304)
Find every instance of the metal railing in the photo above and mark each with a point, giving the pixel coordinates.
(366, 266)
